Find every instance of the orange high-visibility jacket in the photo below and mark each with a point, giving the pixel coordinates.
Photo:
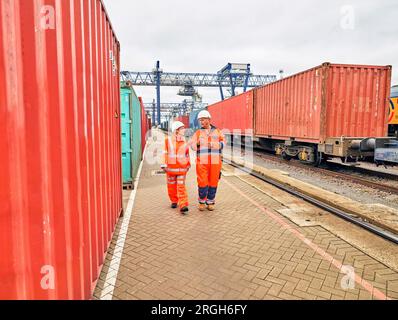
(176, 155)
(208, 144)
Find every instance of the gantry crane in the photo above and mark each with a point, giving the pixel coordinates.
(232, 76)
(174, 109)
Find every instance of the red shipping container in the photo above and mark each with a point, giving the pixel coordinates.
(144, 125)
(184, 120)
(149, 126)
(234, 114)
(149, 123)
(328, 101)
(60, 184)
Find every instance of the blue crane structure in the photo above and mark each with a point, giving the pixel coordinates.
(174, 109)
(232, 76)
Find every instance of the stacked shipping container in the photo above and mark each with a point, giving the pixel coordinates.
(60, 185)
(144, 126)
(135, 129)
(136, 133)
(130, 141)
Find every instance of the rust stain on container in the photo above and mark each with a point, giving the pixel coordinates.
(331, 100)
(60, 185)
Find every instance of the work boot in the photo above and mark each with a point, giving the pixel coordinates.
(184, 210)
(210, 207)
(174, 205)
(202, 207)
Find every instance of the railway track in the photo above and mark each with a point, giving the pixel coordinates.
(340, 213)
(362, 170)
(341, 175)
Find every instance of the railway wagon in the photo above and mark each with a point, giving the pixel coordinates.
(234, 115)
(393, 117)
(61, 182)
(332, 110)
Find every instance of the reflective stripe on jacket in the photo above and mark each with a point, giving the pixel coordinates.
(208, 143)
(176, 155)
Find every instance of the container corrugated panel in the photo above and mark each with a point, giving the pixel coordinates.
(136, 133)
(234, 114)
(357, 100)
(127, 133)
(60, 184)
(144, 125)
(331, 100)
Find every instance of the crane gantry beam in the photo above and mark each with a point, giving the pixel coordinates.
(233, 75)
(175, 108)
(170, 79)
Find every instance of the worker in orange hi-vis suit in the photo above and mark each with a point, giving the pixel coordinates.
(208, 142)
(176, 164)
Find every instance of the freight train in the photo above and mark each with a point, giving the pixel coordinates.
(332, 110)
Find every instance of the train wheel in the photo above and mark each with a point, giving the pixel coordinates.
(319, 159)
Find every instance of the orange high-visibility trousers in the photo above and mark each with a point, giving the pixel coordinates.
(208, 179)
(208, 144)
(177, 190)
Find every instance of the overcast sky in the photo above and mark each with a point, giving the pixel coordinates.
(203, 36)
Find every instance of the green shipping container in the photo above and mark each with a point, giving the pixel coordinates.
(131, 133)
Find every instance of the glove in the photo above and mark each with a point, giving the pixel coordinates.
(163, 167)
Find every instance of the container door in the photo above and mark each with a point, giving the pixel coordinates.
(126, 123)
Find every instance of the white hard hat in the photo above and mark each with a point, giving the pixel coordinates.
(176, 125)
(204, 114)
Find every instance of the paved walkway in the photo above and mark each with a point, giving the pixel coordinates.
(243, 250)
